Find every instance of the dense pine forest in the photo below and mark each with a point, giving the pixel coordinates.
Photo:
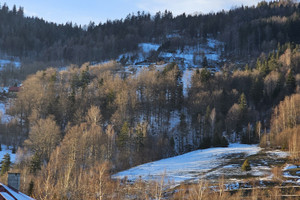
(246, 31)
(74, 127)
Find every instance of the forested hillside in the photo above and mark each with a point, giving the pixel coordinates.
(246, 31)
(93, 114)
(74, 126)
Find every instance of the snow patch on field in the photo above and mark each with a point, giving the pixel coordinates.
(289, 167)
(186, 80)
(212, 43)
(291, 172)
(6, 150)
(4, 63)
(62, 68)
(185, 56)
(288, 175)
(260, 171)
(278, 153)
(186, 167)
(5, 118)
(174, 119)
(4, 89)
(147, 47)
(230, 166)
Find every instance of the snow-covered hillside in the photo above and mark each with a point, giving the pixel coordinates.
(207, 163)
(4, 117)
(147, 47)
(6, 150)
(186, 80)
(188, 56)
(4, 63)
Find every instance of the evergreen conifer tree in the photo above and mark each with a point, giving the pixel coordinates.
(256, 90)
(243, 103)
(14, 149)
(243, 111)
(5, 164)
(123, 136)
(30, 188)
(290, 83)
(35, 163)
(205, 75)
(204, 62)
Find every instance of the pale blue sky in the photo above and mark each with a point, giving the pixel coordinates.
(84, 11)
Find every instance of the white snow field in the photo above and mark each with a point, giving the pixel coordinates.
(186, 80)
(4, 63)
(209, 163)
(5, 151)
(189, 166)
(147, 47)
(183, 56)
(4, 117)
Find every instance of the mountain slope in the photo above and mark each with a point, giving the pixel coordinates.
(210, 163)
(244, 30)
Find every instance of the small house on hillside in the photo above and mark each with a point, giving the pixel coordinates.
(14, 89)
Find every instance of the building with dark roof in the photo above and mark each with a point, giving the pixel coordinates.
(11, 192)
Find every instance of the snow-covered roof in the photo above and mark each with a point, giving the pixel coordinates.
(6, 196)
(11, 194)
(4, 89)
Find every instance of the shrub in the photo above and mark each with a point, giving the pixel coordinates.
(246, 166)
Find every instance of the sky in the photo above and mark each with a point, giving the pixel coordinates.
(84, 11)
